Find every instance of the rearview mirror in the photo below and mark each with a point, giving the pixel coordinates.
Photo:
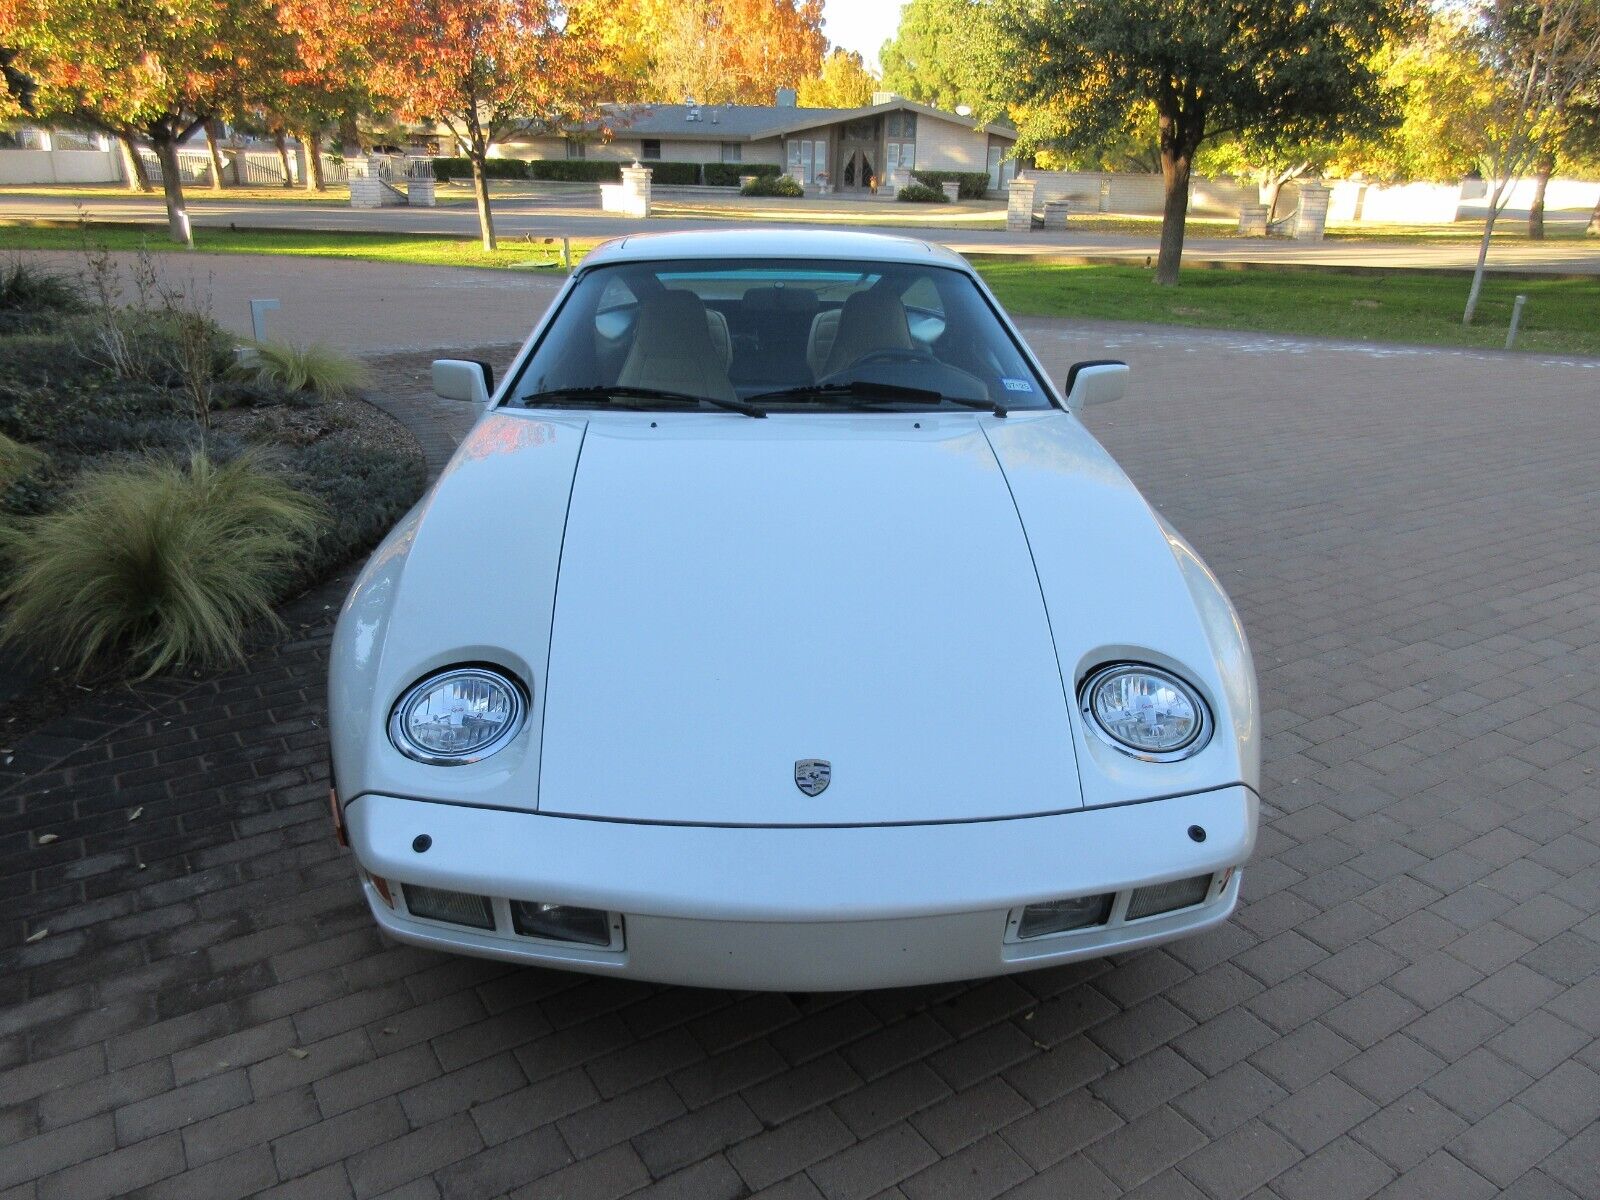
(463, 379)
(1098, 381)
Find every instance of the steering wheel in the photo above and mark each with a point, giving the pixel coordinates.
(893, 355)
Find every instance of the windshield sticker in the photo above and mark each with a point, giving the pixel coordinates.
(1017, 385)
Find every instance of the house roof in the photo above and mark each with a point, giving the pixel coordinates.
(749, 122)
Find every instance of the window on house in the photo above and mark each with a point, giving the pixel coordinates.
(732, 152)
(650, 148)
(577, 150)
(807, 159)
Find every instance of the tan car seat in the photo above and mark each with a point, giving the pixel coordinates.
(870, 320)
(673, 349)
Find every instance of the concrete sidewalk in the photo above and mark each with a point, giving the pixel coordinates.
(547, 216)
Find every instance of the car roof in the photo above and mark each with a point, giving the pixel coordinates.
(784, 242)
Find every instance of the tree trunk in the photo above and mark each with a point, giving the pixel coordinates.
(480, 185)
(349, 136)
(1175, 165)
(311, 143)
(1483, 251)
(212, 130)
(172, 185)
(133, 165)
(1594, 220)
(1542, 170)
(283, 158)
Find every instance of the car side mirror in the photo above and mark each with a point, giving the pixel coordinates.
(463, 379)
(1098, 381)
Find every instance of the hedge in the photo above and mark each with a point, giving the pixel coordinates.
(574, 170)
(494, 168)
(721, 174)
(973, 183)
(674, 173)
(920, 193)
(772, 185)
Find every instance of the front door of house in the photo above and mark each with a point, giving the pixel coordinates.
(859, 163)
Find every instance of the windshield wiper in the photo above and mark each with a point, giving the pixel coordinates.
(610, 392)
(869, 392)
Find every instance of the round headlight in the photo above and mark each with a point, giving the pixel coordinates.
(459, 716)
(1145, 711)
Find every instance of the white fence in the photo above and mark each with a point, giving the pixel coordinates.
(1351, 200)
(60, 166)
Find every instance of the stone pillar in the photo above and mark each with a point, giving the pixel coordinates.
(1313, 219)
(420, 191)
(952, 191)
(636, 190)
(1055, 213)
(1252, 219)
(1019, 206)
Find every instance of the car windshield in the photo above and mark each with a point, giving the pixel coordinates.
(758, 336)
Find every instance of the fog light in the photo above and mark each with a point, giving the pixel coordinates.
(458, 908)
(561, 922)
(1058, 916)
(1167, 897)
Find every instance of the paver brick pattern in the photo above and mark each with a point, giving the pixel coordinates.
(195, 1002)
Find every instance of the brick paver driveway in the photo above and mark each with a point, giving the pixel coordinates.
(1408, 1002)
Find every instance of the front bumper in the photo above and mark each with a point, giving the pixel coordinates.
(804, 909)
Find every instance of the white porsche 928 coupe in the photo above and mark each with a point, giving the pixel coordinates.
(780, 626)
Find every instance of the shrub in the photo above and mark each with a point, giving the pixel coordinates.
(493, 168)
(769, 185)
(363, 490)
(317, 368)
(973, 183)
(574, 170)
(721, 174)
(917, 193)
(156, 564)
(30, 295)
(680, 174)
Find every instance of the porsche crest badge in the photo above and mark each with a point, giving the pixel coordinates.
(812, 775)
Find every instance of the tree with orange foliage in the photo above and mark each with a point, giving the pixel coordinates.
(714, 51)
(486, 70)
(156, 69)
(321, 82)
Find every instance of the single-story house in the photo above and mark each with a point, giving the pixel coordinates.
(852, 150)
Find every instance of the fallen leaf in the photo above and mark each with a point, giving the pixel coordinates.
(296, 1052)
(136, 813)
(37, 937)
(46, 838)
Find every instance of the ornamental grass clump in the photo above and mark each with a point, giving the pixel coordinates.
(318, 369)
(17, 460)
(154, 565)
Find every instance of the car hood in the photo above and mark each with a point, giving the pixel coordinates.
(701, 603)
(739, 596)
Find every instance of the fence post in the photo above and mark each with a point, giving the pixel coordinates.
(1516, 319)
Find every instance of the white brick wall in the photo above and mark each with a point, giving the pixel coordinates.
(949, 146)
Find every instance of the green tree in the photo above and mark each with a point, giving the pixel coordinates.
(937, 55)
(843, 82)
(1207, 67)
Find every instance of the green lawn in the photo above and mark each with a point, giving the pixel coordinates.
(192, 194)
(377, 247)
(1562, 315)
